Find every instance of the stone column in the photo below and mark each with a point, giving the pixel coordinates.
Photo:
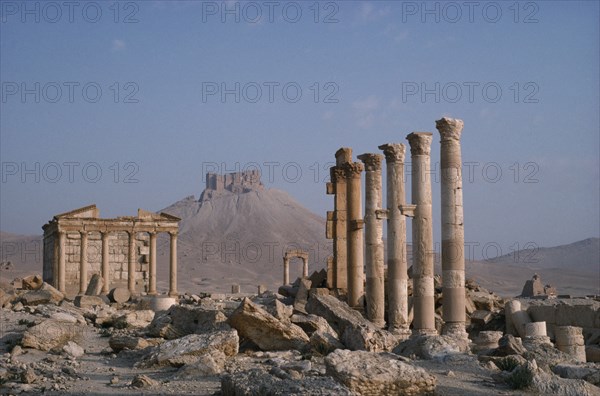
(340, 243)
(375, 288)
(83, 273)
(152, 269)
(304, 267)
(422, 234)
(105, 263)
(286, 271)
(453, 236)
(131, 258)
(354, 235)
(396, 240)
(173, 265)
(61, 260)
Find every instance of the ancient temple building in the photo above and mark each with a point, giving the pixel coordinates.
(78, 244)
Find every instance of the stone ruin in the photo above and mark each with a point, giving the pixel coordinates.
(534, 288)
(236, 183)
(79, 244)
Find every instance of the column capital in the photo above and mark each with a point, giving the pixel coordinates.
(83, 233)
(449, 128)
(353, 170)
(420, 143)
(336, 173)
(343, 155)
(372, 161)
(174, 234)
(104, 234)
(394, 152)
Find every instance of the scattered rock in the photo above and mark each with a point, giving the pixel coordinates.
(206, 365)
(181, 320)
(73, 349)
(259, 382)
(134, 319)
(143, 381)
(481, 317)
(262, 328)
(32, 282)
(356, 332)
(87, 301)
(186, 350)
(118, 343)
(433, 347)
(587, 372)
(368, 373)
(51, 334)
(509, 345)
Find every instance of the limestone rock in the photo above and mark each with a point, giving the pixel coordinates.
(302, 295)
(368, 373)
(186, 350)
(481, 317)
(588, 372)
(118, 343)
(356, 332)
(86, 301)
(51, 334)
(181, 320)
(207, 364)
(32, 282)
(433, 347)
(312, 323)
(95, 285)
(143, 381)
(256, 324)
(134, 319)
(259, 382)
(533, 378)
(119, 295)
(73, 349)
(36, 297)
(509, 345)
(324, 342)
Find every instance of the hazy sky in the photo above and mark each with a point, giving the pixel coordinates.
(127, 104)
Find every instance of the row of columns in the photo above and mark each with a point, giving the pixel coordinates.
(453, 277)
(286, 268)
(105, 266)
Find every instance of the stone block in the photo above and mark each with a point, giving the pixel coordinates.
(481, 317)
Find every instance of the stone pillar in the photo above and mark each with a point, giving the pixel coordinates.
(453, 235)
(173, 265)
(340, 243)
(304, 267)
(131, 259)
(569, 339)
(422, 234)
(83, 273)
(105, 263)
(375, 288)
(396, 240)
(152, 267)
(354, 235)
(61, 260)
(286, 271)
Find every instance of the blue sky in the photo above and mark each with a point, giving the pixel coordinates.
(522, 75)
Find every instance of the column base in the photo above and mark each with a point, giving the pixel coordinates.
(455, 329)
(401, 333)
(424, 332)
(173, 294)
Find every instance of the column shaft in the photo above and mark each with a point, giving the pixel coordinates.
(340, 231)
(61, 260)
(375, 288)
(152, 269)
(131, 259)
(304, 267)
(396, 239)
(354, 235)
(173, 265)
(453, 258)
(105, 263)
(422, 234)
(286, 271)
(83, 273)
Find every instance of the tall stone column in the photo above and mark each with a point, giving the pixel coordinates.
(152, 267)
(396, 240)
(354, 235)
(453, 235)
(83, 272)
(286, 271)
(105, 263)
(61, 260)
(375, 288)
(305, 267)
(340, 243)
(131, 263)
(422, 234)
(173, 265)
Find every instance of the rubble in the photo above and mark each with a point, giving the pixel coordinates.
(181, 320)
